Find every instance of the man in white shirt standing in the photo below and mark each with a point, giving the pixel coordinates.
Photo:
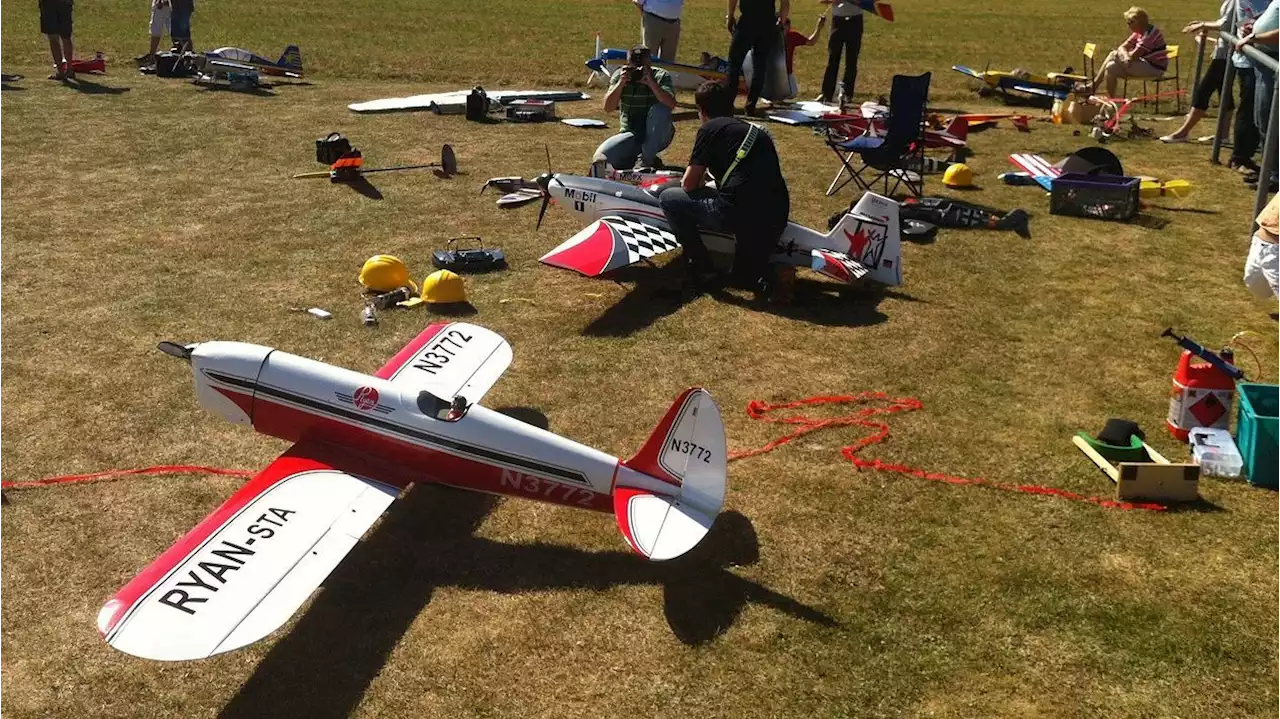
(660, 26)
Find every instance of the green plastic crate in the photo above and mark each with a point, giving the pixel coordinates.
(1256, 431)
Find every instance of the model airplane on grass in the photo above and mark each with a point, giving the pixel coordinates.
(1043, 173)
(606, 61)
(235, 59)
(845, 128)
(626, 226)
(359, 440)
(1055, 85)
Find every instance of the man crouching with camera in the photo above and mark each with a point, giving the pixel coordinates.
(643, 96)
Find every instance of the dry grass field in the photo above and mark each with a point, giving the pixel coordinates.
(139, 209)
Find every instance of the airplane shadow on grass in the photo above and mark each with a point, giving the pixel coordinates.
(89, 87)
(656, 295)
(325, 664)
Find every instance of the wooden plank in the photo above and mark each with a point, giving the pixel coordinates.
(1098, 459)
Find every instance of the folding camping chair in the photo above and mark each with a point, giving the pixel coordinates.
(899, 154)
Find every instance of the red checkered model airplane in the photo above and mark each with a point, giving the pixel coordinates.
(627, 226)
(359, 440)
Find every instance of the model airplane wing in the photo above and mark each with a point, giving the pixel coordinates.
(243, 571)
(1038, 167)
(610, 243)
(450, 359)
(838, 266)
(970, 72)
(1054, 93)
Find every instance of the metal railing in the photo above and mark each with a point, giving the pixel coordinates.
(1268, 170)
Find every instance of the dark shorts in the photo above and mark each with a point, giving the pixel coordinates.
(180, 24)
(55, 17)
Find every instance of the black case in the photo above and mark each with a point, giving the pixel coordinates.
(471, 260)
(330, 147)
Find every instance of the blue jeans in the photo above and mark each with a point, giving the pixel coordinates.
(1264, 83)
(623, 149)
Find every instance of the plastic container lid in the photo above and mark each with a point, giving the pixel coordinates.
(1215, 451)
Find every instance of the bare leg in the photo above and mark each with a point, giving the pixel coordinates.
(1191, 120)
(155, 45)
(68, 51)
(55, 49)
(1113, 77)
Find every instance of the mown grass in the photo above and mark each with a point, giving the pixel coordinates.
(164, 212)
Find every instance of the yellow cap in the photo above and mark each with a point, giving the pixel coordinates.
(958, 175)
(384, 273)
(443, 287)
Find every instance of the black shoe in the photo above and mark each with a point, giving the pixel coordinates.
(1244, 167)
(1252, 177)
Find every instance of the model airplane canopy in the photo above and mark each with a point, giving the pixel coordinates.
(360, 439)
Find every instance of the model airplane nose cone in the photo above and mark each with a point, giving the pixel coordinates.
(177, 350)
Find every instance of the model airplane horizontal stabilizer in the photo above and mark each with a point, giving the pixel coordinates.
(838, 266)
(688, 450)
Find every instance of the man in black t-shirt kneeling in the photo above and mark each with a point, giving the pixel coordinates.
(751, 201)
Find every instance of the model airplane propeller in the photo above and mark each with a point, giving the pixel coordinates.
(358, 441)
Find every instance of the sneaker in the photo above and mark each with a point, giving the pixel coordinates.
(1171, 139)
(145, 59)
(58, 75)
(822, 99)
(70, 74)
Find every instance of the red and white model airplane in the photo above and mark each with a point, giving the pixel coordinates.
(359, 439)
(627, 226)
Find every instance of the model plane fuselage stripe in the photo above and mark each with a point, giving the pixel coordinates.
(413, 435)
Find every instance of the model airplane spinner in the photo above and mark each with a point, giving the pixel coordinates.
(359, 439)
(627, 226)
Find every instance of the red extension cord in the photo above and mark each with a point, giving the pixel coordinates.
(756, 409)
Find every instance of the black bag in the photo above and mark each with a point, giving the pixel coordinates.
(174, 64)
(472, 260)
(330, 147)
(477, 104)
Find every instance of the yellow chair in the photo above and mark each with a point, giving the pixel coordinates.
(1176, 78)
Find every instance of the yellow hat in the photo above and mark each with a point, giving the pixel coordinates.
(958, 175)
(443, 287)
(384, 273)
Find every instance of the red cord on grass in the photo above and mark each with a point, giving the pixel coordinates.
(757, 409)
(115, 473)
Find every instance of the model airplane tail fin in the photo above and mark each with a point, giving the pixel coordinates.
(873, 232)
(668, 495)
(291, 58)
(957, 128)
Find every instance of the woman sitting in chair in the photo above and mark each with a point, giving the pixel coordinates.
(1141, 56)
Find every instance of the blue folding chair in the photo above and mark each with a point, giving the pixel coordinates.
(889, 159)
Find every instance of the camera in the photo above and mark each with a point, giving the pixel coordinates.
(636, 62)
